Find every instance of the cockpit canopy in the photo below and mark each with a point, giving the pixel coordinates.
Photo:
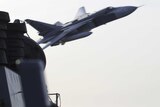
(110, 7)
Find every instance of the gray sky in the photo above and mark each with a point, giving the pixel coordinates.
(117, 66)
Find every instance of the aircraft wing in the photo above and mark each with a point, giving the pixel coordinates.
(64, 33)
(41, 27)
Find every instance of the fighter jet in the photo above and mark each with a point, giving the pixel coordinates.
(80, 27)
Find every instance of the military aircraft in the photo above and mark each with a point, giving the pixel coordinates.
(80, 27)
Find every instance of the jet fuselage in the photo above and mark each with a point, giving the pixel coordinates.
(81, 26)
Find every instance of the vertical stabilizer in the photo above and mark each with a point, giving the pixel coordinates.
(81, 12)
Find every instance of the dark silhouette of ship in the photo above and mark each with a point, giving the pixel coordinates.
(22, 62)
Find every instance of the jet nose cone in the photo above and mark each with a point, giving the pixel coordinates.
(124, 11)
(130, 9)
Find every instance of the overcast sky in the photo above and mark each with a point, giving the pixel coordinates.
(117, 66)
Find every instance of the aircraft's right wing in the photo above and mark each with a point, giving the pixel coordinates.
(42, 27)
(56, 39)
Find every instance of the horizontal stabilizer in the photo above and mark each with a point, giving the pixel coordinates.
(41, 27)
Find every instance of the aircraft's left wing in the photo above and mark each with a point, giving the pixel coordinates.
(42, 27)
(64, 33)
